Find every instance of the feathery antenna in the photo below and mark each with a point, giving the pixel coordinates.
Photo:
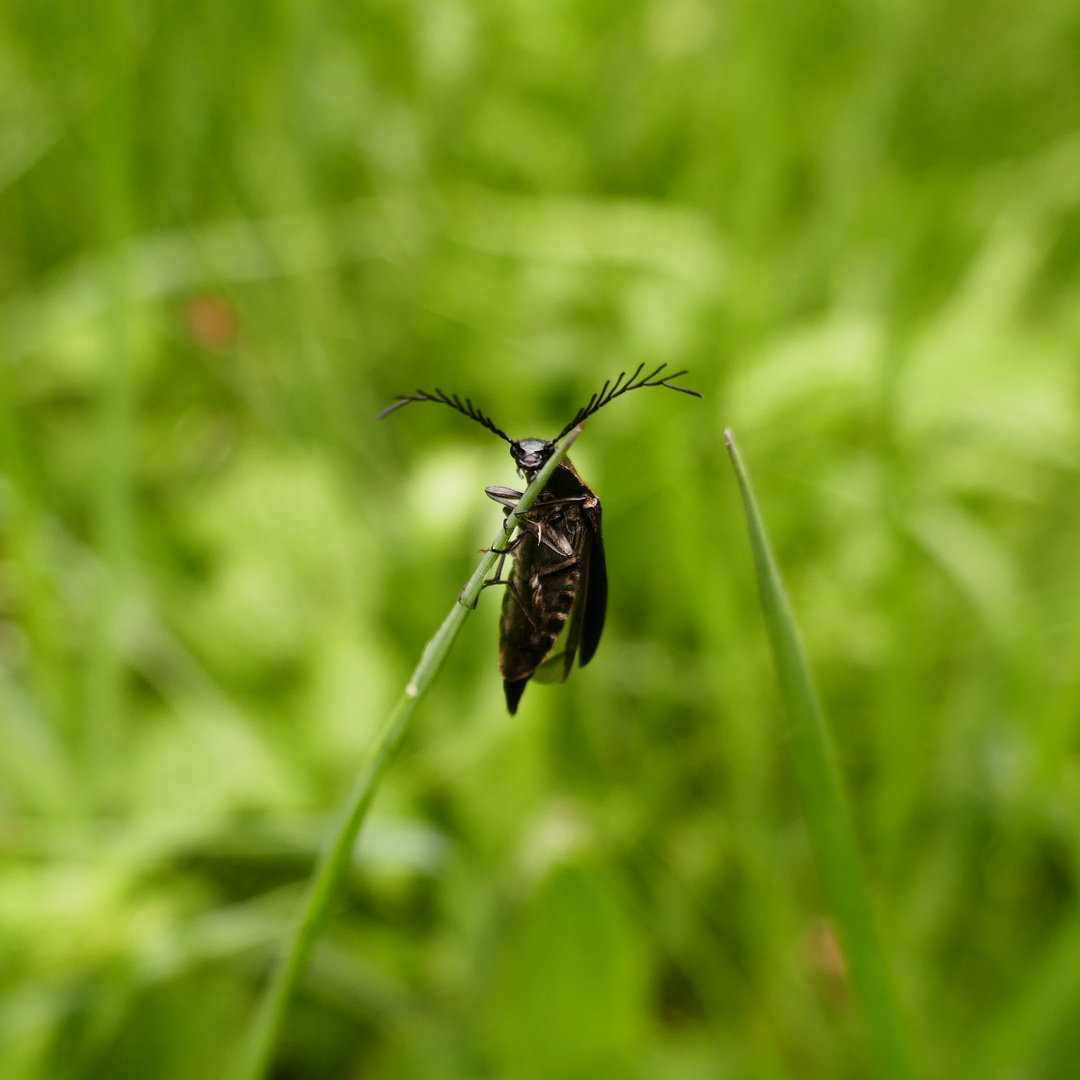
(606, 395)
(466, 409)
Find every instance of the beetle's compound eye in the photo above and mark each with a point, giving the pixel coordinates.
(531, 454)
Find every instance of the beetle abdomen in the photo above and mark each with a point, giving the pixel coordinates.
(530, 627)
(541, 594)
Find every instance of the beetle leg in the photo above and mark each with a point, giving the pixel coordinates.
(558, 543)
(540, 508)
(515, 592)
(553, 540)
(507, 497)
(496, 580)
(558, 568)
(512, 546)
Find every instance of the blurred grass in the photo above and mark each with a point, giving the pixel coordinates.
(229, 234)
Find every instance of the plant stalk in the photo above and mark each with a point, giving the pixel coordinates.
(262, 1036)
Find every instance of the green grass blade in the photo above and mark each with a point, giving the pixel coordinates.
(828, 816)
(257, 1050)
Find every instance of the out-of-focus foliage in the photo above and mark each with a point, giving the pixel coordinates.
(231, 231)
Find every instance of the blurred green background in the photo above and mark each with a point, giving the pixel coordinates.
(231, 232)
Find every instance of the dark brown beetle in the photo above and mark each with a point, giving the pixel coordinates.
(559, 572)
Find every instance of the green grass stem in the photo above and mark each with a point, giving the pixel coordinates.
(828, 816)
(258, 1048)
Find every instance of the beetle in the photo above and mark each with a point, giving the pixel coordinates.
(558, 580)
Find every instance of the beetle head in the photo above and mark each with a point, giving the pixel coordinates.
(531, 455)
